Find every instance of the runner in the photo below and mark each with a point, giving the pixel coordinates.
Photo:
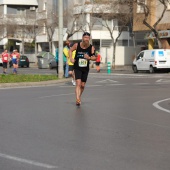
(5, 58)
(98, 60)
(84, 53)
(15, 58)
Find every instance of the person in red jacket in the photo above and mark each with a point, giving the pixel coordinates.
(5, 58)
(98, 61)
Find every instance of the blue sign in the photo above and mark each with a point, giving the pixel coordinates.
(161, 53)
(153, 53)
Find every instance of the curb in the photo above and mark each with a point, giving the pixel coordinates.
(31, 84)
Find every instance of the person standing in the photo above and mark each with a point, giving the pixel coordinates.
(98, 61)
(5, 58)
(71, 68)
(84, 53)
(56, 58)
(15, 59)
(65, 56)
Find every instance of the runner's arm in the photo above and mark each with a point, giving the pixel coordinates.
(74, 47)
(93, 56)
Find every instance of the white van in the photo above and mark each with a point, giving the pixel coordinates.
(152, 60)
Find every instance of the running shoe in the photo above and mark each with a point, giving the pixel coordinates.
(78, 102)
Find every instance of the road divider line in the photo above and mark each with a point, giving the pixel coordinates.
(57, 95)
(116, 84)
(141, 84)
(30, 162)
(156, 104)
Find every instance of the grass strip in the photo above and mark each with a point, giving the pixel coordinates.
(11, 78)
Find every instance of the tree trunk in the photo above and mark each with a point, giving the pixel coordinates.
(23, 51)
(114, 54)
(50, 46)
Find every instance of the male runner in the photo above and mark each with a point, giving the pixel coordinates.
(84, 53)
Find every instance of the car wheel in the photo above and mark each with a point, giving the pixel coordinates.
(151, 69)
(135, 70)
(50, 66)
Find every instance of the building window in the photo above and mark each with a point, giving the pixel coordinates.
(21, 11)
(168, 5)
(11, 10)
(141, 5)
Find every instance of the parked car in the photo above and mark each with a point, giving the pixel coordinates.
(0, 61)
(23, 61)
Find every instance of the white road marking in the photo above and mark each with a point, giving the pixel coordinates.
(30, 162)
(141, 83)
(156, 104)
(116, 84)
(93, 85)
(158, 81)
(56, 95)
(106, 81)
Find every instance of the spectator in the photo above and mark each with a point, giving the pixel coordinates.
(66, 56)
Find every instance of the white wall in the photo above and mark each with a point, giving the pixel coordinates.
(19, 2)
(3, 41)
(124, 55)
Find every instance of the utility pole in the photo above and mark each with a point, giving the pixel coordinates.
(60, 36)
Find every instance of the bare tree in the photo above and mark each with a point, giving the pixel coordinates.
(50, 26)
(71, 22)
(147, 11)
(119, 11)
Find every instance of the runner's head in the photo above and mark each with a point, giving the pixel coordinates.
(67, 43)
(86, 38)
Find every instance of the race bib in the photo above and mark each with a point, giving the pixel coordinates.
(5, 58)
(14, 56)
(82, 62)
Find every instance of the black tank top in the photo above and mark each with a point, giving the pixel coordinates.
(80, 62)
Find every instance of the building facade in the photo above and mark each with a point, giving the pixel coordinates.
(156, 9)
(17, 22)
(85, 15)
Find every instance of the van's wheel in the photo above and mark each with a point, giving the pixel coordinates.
(135, 70)
(151, 69)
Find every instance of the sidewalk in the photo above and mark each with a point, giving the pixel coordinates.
(120, 69)
(126, 69)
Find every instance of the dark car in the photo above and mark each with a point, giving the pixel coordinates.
(23, 61)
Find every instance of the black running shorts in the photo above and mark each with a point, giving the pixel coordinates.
(71, 68)
(79, 74)
(4, 65)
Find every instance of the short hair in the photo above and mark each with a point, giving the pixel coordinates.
(86, 33)
(67, 42)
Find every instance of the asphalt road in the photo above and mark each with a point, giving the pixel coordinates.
(122, 124)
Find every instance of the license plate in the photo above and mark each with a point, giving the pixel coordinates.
(22, 60)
